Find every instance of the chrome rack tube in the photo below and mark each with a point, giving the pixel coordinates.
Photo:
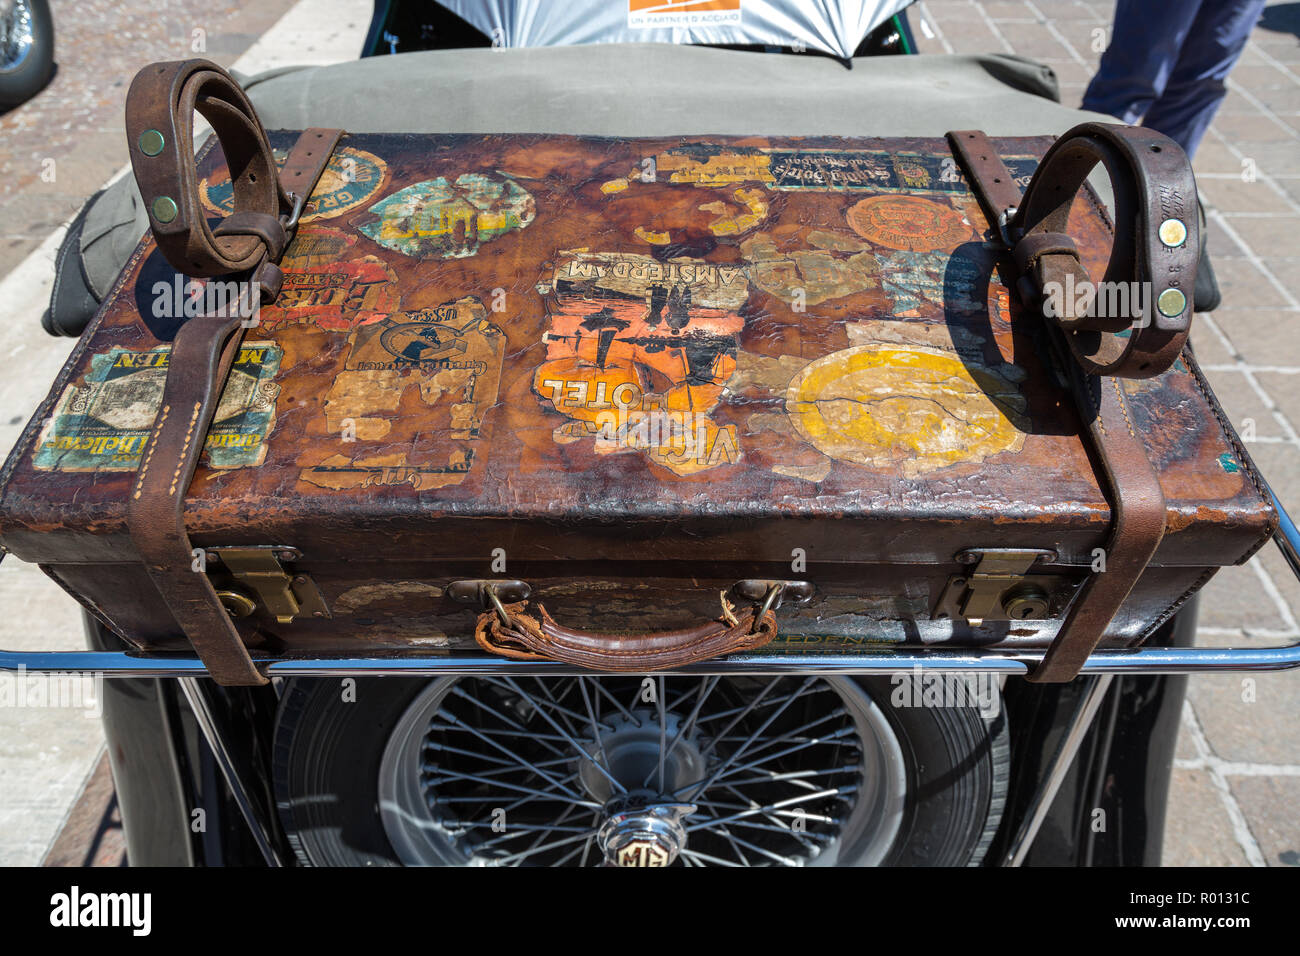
(1153, 660)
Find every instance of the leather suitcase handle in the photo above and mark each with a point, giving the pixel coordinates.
(160, 107)
(539, 638)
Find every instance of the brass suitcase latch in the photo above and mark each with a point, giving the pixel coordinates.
(1000, 587)
(249, 577)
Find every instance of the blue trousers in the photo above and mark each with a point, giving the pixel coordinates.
(1168, 61)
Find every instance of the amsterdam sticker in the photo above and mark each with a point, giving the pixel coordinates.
(638, 352)
(421, 381)
(450, 219)
(103, 424)
(352, 178)
(909, 223)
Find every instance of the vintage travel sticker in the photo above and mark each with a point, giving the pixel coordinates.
(823, 170)
(909, 223)
(352, 178)
(705, 165)
(831, 169)
(745, 210)
(879, 171)
(103, 423)
(836, 265)
(674, 216)
(444, 361)
(326, 290)
(638, 352)
(898, 404)
(931, 283)
(450, 219)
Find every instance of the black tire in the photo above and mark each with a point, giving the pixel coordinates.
(327, 756)
(29, 76)
(960, 767)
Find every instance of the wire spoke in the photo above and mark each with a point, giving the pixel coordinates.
(492, 743)
(697, 855)
(792, 801)
(438, 774)
(761, 851)
(772, 702)
(444, 728)
(533, 851)
(600, 689)
(775, 824)
(529, 827)
(448, 715)
(795, 777)
(663, 733)
(741, 716)
(586, 847)
(560, 730)
(705, 689)
(752, 737)
(789, 750)
(595, 724)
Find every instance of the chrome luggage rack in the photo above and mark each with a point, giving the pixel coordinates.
(1139, 660)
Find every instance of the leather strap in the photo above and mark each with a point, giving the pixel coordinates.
(246, 243)
(1154, 251)
(539, 638)
(1149, 191)
(1136, 528)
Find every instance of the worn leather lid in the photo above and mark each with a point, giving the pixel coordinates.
(670, 349)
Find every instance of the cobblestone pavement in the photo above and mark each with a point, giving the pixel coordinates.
(1237, 776)
(59, 148)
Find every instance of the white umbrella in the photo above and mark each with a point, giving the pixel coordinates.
(831, 26)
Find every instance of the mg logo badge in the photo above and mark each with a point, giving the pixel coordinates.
(643, 853)
(640, 833)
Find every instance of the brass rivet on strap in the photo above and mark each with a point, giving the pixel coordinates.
(164, 209)
(151, 142)
(1171, 303)
(1173, 233)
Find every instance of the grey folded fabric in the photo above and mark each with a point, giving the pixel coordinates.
(606, 90)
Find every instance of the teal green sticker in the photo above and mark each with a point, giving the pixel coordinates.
(1228, 463)
(450, 220)
(103, 424)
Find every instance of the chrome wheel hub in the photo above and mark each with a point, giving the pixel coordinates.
(639, 832)
(643, 823)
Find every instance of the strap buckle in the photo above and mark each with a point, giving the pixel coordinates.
(299, 203)
(1004, 226)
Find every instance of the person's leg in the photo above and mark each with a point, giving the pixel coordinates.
(1196, 87)
(1146, 39)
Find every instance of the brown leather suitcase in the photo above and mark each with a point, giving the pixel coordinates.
(637, 382)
